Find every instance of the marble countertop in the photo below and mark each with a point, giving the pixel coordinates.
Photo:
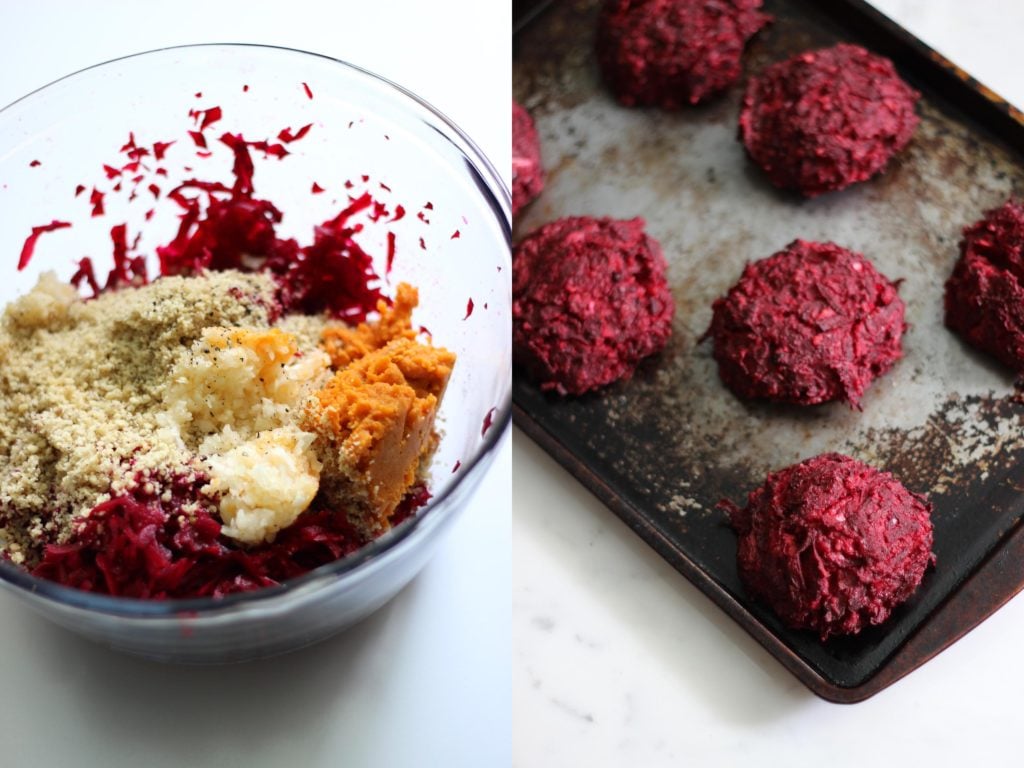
(619, 660)
(425, 680)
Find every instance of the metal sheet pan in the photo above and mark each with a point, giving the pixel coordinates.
(664, 447)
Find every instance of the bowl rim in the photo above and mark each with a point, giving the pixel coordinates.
(195, 608)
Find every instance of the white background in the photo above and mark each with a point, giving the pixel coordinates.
(619, 661)
(426, 681)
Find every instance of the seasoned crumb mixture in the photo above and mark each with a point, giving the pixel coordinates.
(187, 383)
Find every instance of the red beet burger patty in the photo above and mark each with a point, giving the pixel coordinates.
(810, 324)
(826, 119)
(984, 298)
(527, 171)
(832, 545)
(589, 301)
(670, 53)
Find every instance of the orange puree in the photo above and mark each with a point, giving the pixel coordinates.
(345, 344)
(374, 420)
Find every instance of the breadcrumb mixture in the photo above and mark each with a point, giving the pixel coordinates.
(187, 378)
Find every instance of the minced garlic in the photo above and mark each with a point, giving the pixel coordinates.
(265, 483)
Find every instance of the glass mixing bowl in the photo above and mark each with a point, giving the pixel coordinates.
(453, 244)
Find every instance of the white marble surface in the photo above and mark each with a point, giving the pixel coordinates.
(426, 681)
(619, 661)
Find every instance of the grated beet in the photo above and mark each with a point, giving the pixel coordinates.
(127, 270)
(209, 116)
(133, 150)
(96, 201)
(30, 242)
(160, 149)
(137, 546)
(488, 421)
(391, 253)
(288, 137)
(237, 231)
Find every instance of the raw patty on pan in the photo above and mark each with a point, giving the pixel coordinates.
(810, 324)
(527, 170)
(832, 545)
(984, 298)
(589, 301)
(825, 119)
(671, 53)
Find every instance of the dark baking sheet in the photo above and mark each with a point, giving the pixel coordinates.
(663, 448)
